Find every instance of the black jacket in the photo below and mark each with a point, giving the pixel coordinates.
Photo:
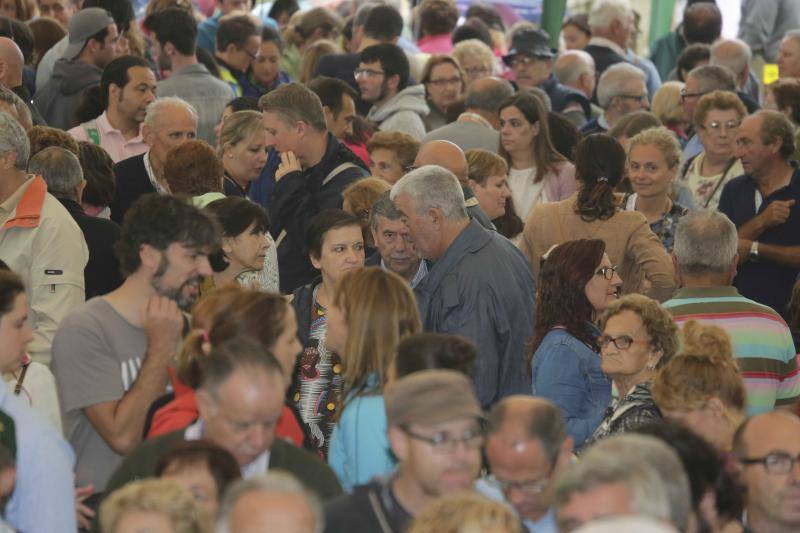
(102, 271)
(356, 512)
(562, 96)
(300, 195)
(132, 182)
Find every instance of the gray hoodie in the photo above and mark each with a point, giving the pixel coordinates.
(59, 99)
(403, 112)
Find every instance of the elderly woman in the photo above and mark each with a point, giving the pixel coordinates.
(444, 85)
(537, 172)
(577, 283)
(653, 160)
(140, 504)
(476, 59)
(243, 150)
(702, 387)
(594, 213)
(784, 96)
(639, 337)
(717, 118)
(487, 174)
(391, 154)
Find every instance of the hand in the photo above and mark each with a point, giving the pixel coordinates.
(83, 512)
(289, 163)
(777, 212)
(744, 249)
(162, 322)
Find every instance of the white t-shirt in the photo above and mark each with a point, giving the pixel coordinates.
(524, 191)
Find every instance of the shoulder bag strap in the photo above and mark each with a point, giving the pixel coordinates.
(336, 171)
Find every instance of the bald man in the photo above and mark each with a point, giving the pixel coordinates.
(448, 155)
(575, 69)
(735, 55)
(527, 447)
(767, 447)
(477, 126)
(11, 63)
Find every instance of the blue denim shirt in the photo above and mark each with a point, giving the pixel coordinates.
(568, 373)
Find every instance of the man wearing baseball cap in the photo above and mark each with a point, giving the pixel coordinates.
(92, 45)
(531, 61)
(435, 430)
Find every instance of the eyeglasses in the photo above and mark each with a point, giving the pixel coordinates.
(445, 83)
(522, 61)
(530, 487)
(606, 272)
(367, 73)
(775, 463)
(253, 55)
(717, 126)
(623, 342)
(442, 442)
(685, 96)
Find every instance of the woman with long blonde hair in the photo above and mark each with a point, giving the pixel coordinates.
(373, 310)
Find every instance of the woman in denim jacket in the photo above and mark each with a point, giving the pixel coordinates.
(576, 283)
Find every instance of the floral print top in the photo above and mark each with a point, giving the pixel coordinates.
(664, 227)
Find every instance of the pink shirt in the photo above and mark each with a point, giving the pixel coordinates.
(436, 44)
(111, 140)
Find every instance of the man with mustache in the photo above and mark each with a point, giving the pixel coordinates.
(110, 356)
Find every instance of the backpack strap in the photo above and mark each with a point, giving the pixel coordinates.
(336, 171)
(92, 132)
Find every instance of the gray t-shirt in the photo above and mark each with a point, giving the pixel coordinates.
(97, 355)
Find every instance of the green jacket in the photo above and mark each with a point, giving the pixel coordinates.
(665, 52)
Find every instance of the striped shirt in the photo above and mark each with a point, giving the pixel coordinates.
(761, 340)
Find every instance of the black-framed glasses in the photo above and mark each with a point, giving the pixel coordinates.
(623, 342)
(445, 82)
(444, 442)
(685, 95)
(253, 55)
(775, 463)
(367, 73)
(606, 272)
(522, 61)
(533, 486)
(716, 126)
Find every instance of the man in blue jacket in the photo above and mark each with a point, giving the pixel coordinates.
(479, 286)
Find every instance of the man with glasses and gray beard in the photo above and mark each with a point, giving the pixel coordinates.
(110, 355)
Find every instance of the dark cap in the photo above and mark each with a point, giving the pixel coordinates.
(530, 42)
(431, 397)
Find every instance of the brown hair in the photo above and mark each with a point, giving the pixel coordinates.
(226, 313)
(193, 168)
(720, 100)
(534, 111)
(402, 144)
(482, 163)
(46, 31)
(98, 171)
(599, 166)
(561, 296)
(42, 137)
(361, 196)
(189, 455)
(437, 17)
(786, 92)
(656, 320)
(775, 126)
(439, 59)
(311, 56)
(380, 310)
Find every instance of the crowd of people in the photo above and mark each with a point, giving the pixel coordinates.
(274, 267)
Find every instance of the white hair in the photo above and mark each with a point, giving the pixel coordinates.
(13, 138)
(60, 169)
(614, 80)
(605, 12)
(273, 482)
(734, 54)
(705, 242)
(157, 107)
(430, 187)
(794, 35)
(572, 64)
(651, 470)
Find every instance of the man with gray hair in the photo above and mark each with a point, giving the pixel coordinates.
(735, 55)
(705, 258)
(527, 448)
(395, 249)
(62, 172)
(38, 240)
(575, 69)
(620, 91)
(480, 285)
(789, 55)
(168, 122)
(477, 126)
(276, 499)
(764, 23)
(626, 474)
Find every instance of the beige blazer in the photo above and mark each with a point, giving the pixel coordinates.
(643, 264)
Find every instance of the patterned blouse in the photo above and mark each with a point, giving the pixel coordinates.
(664, 227)
(634, 410)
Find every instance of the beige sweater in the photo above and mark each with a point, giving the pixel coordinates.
(643, 264)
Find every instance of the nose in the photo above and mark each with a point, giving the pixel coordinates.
(28, 333)
(505, 192)
(616, 280)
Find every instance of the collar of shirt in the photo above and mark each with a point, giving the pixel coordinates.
(607, 43)
(546, 524)
(11, 203)
(257, 467)
(474, 117)
(152, 175)
(106, 129)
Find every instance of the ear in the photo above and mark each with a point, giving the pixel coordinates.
(733, 268)
(656, 356)
(79, 189)
(7, 480)
(329, 117)
(393, 82)
(535, 128)
(9, 160)
(399, 443)
(150, 257)
(113, 92)
(168, 49)
(472, 183)
(435, 215)
(715, 406)
(315, 261)
(147, 134)
(227, 245)
(231, 49)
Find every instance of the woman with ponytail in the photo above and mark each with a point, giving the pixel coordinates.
(594, 212)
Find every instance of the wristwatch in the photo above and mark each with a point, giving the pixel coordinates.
(753, 256)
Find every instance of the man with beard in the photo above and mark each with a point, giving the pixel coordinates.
(175, 32)
(110, 356)
(434, 422)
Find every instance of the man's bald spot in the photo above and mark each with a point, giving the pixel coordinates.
(444, 154)
(758, 425)
(518, 414)
(487, 84)
(10, 52)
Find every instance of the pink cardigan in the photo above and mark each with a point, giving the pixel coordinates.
(561, 184)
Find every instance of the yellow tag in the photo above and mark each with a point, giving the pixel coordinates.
(331, 406)
(770, 73)
(337, 369)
